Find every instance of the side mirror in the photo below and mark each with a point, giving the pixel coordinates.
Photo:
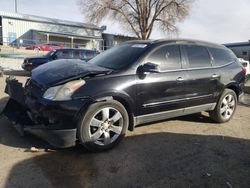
(149, 68)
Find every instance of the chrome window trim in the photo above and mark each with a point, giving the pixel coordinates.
(200, 68)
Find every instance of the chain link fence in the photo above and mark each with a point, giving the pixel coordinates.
(13, 52)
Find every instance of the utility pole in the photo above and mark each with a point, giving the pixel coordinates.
(15, 6)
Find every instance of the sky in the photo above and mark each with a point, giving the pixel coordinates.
(220, 21)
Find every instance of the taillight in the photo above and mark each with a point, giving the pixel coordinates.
(244, 70)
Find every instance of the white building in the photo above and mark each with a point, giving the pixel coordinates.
(22, 29)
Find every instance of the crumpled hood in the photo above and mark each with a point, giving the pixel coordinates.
(58, 71)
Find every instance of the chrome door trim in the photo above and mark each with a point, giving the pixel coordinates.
(172, 113)
(176, 100)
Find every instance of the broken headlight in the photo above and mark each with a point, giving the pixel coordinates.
(63, 92)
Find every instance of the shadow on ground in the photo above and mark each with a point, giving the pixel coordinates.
(151, 160)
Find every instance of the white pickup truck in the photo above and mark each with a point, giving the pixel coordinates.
(245, 64)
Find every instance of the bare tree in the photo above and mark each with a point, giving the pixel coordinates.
(138, 16)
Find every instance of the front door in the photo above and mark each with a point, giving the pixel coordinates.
(163, 90)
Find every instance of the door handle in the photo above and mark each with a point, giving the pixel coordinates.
(215, 76)
(179, 79)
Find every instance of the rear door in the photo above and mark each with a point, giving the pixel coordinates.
(202, 78)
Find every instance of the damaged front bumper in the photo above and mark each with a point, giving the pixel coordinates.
(54, 122)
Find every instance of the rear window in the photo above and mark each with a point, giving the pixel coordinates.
(198, 56)
(222, 56)
(244, 64)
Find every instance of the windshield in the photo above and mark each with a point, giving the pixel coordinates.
(120, 57)
(50, 53)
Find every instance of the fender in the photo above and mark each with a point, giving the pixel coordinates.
(123, 98)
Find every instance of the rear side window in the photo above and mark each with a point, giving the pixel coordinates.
(90, 54)
(221, 56)
(76, 54)
(64, 54)
(87, 54)
(167, 57)
(198, 56)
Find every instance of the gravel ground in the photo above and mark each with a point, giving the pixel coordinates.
(11, 63)
(190, 151)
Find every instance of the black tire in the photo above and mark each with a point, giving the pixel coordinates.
(85, 131)
(217, 114)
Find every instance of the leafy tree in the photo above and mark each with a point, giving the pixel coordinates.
(138, 16)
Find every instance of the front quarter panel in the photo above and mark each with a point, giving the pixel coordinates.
(117, 86)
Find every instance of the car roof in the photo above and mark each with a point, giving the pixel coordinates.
(75, 49)
(178, 41)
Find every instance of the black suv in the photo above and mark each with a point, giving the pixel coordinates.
(67, 53)
(134, 83)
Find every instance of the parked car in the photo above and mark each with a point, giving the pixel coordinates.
(245, 64)
(68, 53)
(45, 47)
(137, 82)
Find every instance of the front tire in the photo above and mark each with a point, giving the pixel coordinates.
(225, 107)
(103, 125)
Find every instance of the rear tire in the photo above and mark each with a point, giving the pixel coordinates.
(225, 107)
(103, 126)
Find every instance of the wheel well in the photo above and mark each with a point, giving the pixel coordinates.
(235, 89)
(130, 113)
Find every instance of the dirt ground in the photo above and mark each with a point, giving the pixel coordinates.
(190, 151)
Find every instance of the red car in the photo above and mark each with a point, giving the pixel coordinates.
(44, 47)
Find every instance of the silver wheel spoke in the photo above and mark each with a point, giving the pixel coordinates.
(230, 98)
(116, 129)
(116, 117)
(232, 103)
(105, 114)
(97, 135)
(107, 139)
(223, 109)
(224, 101)
(95, 122)
(229, 112)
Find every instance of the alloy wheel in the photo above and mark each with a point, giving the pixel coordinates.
(227, 106)
(106, 126)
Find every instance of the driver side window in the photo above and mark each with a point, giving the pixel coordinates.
(167, 57)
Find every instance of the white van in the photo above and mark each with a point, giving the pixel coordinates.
(245, 64)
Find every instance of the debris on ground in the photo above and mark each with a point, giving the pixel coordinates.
(208, 174)
(35, 149)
